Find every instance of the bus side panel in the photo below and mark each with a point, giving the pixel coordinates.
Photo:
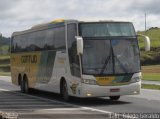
(46, 66)
(39, 68)
(51, 71)
(25, 64)
(15, 68)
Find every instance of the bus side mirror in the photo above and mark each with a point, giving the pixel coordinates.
(79, 41)
(146, 42)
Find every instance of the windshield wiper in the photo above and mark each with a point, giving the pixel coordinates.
(105, 64)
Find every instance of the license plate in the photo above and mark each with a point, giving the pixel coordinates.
(114, 90)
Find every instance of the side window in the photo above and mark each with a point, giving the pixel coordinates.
(12, 45)
(19, 43)
(36, 41)
(49, 44)
(24, 42)
(31, 42)
(72, 51)
(39, 40)
(59, 37)
(54, 38)
(49, 39)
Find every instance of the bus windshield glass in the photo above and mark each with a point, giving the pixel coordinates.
(107, 29)
(111, 56)
(109, 48)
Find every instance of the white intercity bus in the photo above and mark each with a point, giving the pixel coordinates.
(78, 58)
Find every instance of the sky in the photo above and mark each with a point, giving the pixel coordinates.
(17, 15)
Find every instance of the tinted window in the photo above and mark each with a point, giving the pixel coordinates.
(49, 39)
(19, 44)
(106, 29)
(73, 57)
(35, 41)
(59, 38)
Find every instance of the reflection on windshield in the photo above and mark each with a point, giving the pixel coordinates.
(95, 54)
(106, 29)
(110, 56)
(126, 55)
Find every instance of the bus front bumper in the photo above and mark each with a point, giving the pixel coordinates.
(105, 91)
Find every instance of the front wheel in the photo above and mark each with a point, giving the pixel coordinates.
(114, 97)
(65, 94)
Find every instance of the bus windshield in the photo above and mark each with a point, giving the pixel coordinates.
(107, 29)
(118, 56)
(109, 48)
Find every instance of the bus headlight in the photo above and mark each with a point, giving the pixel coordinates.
(89, 81)
(135, 79)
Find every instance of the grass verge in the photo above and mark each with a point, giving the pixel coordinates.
(151, 86)
(5, 73)
(3, 57)
(151, 76)
(151, 72)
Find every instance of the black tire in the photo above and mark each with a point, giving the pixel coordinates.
(114, 97)
(24, 85)
(64, 92)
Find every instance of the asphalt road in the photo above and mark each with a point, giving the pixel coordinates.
(46, 105)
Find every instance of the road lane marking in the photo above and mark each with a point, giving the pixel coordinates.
(65, 103)
(83, 108)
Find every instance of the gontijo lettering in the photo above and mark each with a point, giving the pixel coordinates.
(29, 59)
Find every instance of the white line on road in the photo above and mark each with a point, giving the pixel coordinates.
(79, 108)
(65, 103)
(60, 110)
(68, 104)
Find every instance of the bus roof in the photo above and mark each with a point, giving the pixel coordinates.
(41, 26)
(58, 22)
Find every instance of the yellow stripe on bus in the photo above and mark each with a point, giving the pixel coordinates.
(104, 80)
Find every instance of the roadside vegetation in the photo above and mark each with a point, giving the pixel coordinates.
(152, 57)
(4, 56)
(150, 61)
(151, 86)
(5, 65)
(151, 72)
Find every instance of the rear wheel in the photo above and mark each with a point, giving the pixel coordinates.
(114, 97)
(24, 85)
(64, 92)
